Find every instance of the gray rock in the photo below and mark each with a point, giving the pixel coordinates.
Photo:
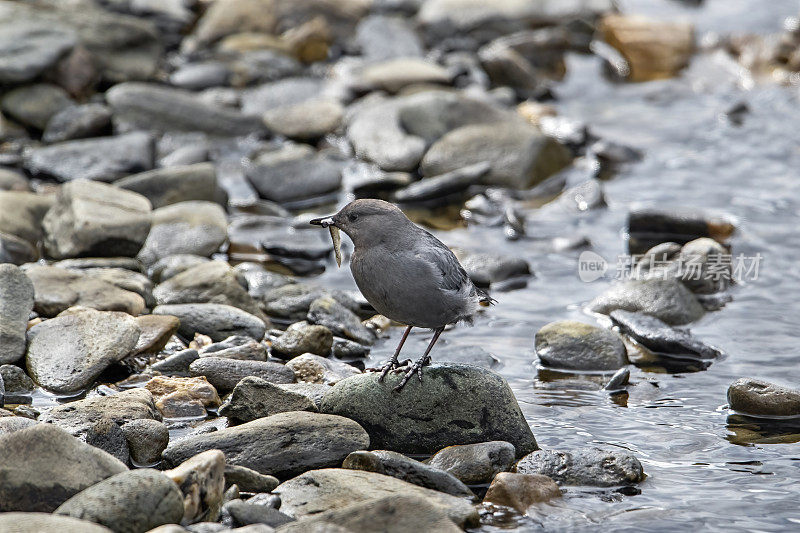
(177, 363)
(281, 239)
(656, 335)
(172, 265)
(27, 49)
(107, 435)
(77, 417)
(15, 379)
(448, 183)
(381, 37)
(171, 185)
(521, 491)
(301, 338)
(202, 481)
(13, 180)
(305, 121)
(313, 391)
(156, 332)
(101, 158)
(21, 214)
(666, 299)
(38, 522)
(243, 514)
(77, 122)
(16, 304)
(292, 301)
(649, 227)
(95, 219)
(395, 513)
(249, 480)
(475, 464)
(281, 93)
(520, 155)
(196, 76)
(153, 107)
(294, 173)
(312, 368)
(471, 355)
(10, 424)
(454, 404)
(34, 105)
(16, 251)
(42, 466)
(57, 289)
(328, 312)
(146, 439)
(347, 349)
(587, 466)
(224, 374)
(128, 502)
(328, 489)
(571, 345)
(399, 466)
(214, 282)
(486, 268)
(392, 75)
(762, 398)
(195, 227)
(254, 398)
(67, 353)
(283, 445)
(218, 321)
(236, 347)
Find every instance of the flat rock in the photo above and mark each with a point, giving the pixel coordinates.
(193, 227)
(587, 466)
(454, 404)
(57, 289)
(156, 331)
(283, 445)
(658, 336)
(520, 156)
(305, 121)
(328, 489)
(312, 368)
(666, 299)
(101, 158)
(520, 491)
(38, 522)
(224, 374)
(67, 353)
(300, 338)
(16, 304)
(294, 173)
(78, 122)
(174, 184)
(475, 464)
(155, 107)
(399, 466)
(328, 312)
(94, 219)
(28, 49)
(218, 321)
(445, 184)
(487, 268)
(213, 282)
(34, 105)
(42, 466)
(254, 398)
(762, 398)
(577, 346)
(133, 501)
(392, 75)
(202, 481)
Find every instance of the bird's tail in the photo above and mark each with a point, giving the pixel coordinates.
(484, 300)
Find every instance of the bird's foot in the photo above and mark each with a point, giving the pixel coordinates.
(416, 368)
(393, 365)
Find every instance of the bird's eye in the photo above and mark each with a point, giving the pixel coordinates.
(352, 217)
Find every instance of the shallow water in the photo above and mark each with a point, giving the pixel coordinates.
(702, 473)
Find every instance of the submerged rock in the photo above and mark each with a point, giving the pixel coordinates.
(520, 491)
(454, 404)
(587, 466)
(761, 398)
(283, 445)
(668, 300)
(475, 464)
(576, 346)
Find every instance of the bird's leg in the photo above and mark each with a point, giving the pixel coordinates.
(392, 364)
(422, 361)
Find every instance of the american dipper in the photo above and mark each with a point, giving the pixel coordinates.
(405, 273)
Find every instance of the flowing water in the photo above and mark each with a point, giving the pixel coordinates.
(704, 472)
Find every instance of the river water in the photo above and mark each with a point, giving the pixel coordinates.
(703, 473)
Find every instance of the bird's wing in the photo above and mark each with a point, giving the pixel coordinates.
(454, 277)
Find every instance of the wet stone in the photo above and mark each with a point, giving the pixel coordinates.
(192, 227)
(328, 312)
(218, 321)
(475, 464)
(16, 304)
(399, 466)
(312, 368)
(668, 300)
(587, 466)
(300, 338)
(650, 227)
(485, 269)
(656, 335)
(577, 346)
(411, 423)
(249, 480)
(472, 355)
(443, 185)
(283, 445)
(101, 158)
(224, 374)
(34, 105)
(236, 347)
(761, 398)
(146, 439)
(174, 184)
(520, 491)
(294, 173)
(254, 398)
(78, 122)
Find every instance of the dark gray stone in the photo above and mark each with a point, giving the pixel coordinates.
(574, 345)
(243, 514)
(666, 299)
(328, 312)
(294, 173)
(300, 338)
(254, 398)
(146, 439)
(434, 187)
(218, 321)
(249, 480)
(16, 380)
(78, 122)
(177, 362)
(475, 464)
(486, 268)
(107, 435)
(224, 374)
(34, 105)
(587, 466)
(658, 336)
(196, 76)
(166, 186)
(762, 398)
(193, 227)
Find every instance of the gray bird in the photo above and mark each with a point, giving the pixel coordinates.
(405, 273)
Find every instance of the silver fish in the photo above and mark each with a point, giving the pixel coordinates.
(337, 244)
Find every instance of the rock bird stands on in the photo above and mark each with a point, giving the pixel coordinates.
(405, 273)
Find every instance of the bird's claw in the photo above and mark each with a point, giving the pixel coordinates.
(416, 368)
(393, 366)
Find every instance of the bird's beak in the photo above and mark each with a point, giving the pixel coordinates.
(325, 222)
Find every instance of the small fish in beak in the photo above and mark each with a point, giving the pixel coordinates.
(328, 222)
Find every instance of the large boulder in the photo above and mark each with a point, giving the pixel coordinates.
(283, 445)
(454, 404)
(16, 304)
(42, 466)
(96, 220)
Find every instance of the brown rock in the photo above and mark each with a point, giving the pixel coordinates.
(520, 491)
